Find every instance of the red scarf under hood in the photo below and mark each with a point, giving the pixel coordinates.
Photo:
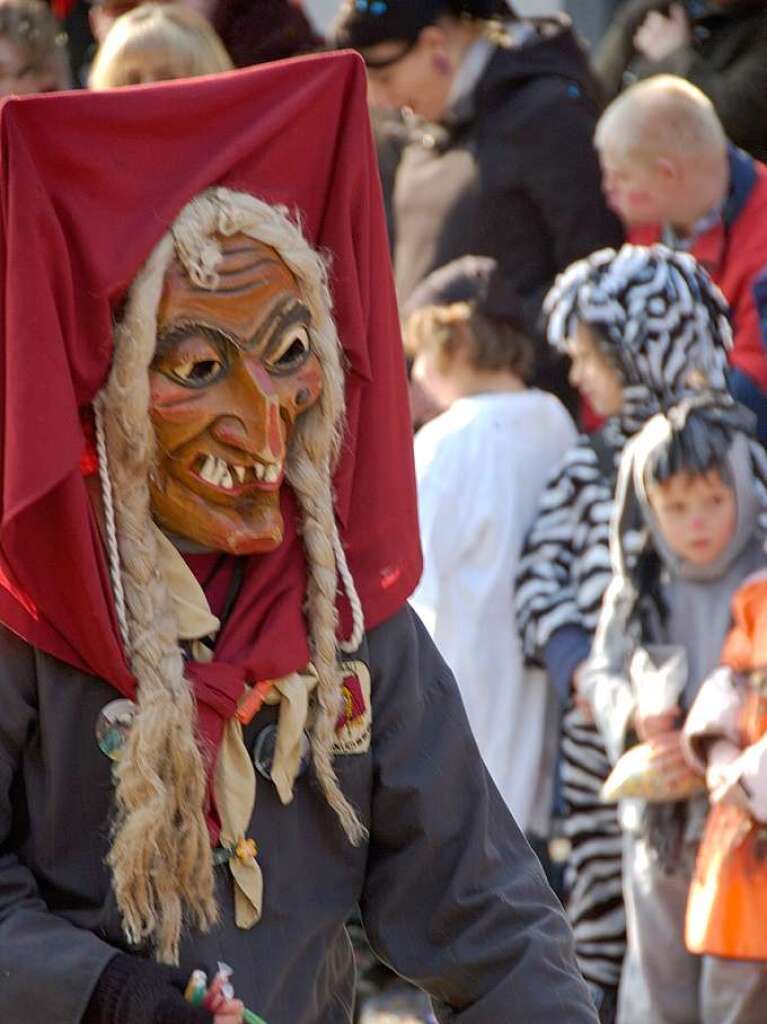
(90, 182)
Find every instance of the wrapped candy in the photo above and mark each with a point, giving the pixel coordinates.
(197, 990)
(658, 673)
(640, 774)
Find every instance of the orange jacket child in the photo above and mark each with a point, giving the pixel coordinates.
(726, 735)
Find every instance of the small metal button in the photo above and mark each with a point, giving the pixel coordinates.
(113, 726)
(265, 745)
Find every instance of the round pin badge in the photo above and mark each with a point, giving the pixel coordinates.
(265, 745)
(113, 726)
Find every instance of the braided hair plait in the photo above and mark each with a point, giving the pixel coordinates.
(311, 483)
(160, 858)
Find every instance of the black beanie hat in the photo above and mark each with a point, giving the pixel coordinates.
(475, 279)
(363, 23)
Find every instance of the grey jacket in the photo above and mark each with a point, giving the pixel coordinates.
(450, 893)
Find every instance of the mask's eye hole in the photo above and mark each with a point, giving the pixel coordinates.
(291, 350)
(198, 372)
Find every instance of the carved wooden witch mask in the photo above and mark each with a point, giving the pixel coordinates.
(233, 370)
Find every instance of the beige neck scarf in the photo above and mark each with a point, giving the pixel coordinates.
(234, 780)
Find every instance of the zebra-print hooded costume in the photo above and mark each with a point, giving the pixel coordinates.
(664, 326)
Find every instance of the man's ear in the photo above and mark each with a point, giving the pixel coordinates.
(668, 170)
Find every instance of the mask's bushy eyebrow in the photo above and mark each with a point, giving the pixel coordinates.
(180, 331)
(291, 311)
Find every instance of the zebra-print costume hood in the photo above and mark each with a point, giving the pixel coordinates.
(659, 318)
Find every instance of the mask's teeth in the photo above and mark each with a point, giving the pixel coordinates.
(273, 473)
(239, 472)
(225, 480)
(207, 470)
(218, 471)
(260, 471)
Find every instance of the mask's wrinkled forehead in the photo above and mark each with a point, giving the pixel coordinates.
(252, 279)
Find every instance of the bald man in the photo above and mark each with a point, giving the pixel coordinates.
(671, 175)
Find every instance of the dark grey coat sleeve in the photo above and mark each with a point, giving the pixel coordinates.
(34, 943)
(454, 899)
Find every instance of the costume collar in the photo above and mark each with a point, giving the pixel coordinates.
(234, 778)
(710, 235)
(460, 103)
(193, 615)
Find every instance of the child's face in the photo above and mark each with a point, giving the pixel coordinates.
(592, 373)
(141, 65)
(696, 514)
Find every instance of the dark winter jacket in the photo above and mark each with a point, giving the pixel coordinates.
(511, 174)
(727, 60)
(450, 893)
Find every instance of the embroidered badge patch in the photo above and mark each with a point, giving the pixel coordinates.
(356, 718)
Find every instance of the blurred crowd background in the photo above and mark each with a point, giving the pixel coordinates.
(557, 176)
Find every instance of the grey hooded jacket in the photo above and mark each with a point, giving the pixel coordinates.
(698, 598)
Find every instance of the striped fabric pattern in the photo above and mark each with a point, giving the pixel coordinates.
(593, 875)
(565, 566)
(564, 572)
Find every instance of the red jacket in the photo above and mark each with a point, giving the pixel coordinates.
(734, 252)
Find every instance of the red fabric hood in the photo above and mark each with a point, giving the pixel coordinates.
(90, 182)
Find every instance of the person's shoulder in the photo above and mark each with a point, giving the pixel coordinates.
(579, 457)
(18, 670)
(13, 649)
(578, 467)
(551, 409)
(443, 431)
(544, 68)
(407, 670)
(748, 225)
(443, 443)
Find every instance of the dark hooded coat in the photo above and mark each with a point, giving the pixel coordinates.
(511, 173)
(433, 834)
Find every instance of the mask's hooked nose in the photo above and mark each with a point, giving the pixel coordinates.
(253, 423)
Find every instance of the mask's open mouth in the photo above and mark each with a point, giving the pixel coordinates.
(237, 477)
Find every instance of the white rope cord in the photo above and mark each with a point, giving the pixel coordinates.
(354, 640)
(113, 551)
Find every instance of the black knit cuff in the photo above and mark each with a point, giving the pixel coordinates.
(136, 991)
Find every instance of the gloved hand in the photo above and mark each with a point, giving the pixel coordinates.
(132, 990)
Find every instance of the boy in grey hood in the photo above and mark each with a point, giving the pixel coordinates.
(692, 481)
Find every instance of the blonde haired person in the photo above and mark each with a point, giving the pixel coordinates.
(671, 175)
(158, 42)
